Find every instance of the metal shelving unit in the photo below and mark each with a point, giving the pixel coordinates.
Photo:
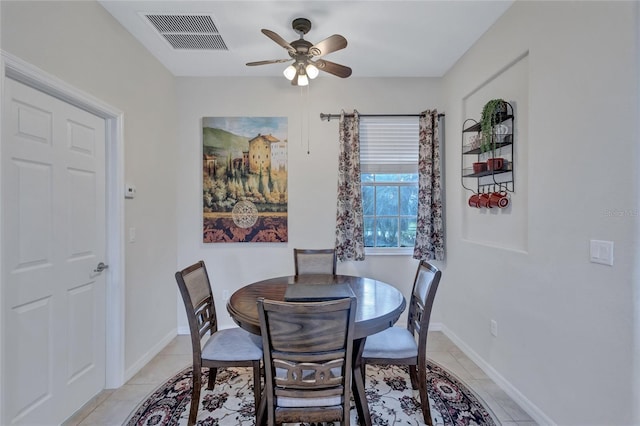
(501, 146)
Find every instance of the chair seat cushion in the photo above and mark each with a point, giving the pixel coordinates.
(288, 402)
(232, 344)
(392, 343)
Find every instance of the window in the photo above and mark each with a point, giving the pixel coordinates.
(389, 172)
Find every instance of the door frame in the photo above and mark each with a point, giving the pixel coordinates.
(19, 70)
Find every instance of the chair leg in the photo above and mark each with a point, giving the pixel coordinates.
(213, 373)
(261, 413)
(195, 396)
(414, 377)
(424, 397)
(257, 386)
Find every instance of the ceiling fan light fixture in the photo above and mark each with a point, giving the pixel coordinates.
(303, 80)
(289, 72)
(312, 71)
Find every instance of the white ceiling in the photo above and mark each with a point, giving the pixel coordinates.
(393, 38)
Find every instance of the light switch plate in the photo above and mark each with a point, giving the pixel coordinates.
(129, 191)
(601, 252)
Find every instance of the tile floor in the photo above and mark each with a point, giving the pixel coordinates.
(113, 406)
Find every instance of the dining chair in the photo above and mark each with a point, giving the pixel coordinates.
(233, 347)
(397, 345)
(308, 348)
(314, 261)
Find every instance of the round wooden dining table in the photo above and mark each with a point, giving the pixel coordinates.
(379, 306)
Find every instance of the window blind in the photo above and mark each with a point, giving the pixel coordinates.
(389, 144)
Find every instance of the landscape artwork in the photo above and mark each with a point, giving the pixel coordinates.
(244, 179)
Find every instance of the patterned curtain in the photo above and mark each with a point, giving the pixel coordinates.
(349, 222)
(430, 230)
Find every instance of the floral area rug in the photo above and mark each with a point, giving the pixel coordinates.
(391, 399)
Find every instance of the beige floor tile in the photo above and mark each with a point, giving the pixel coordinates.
(515, 423)
(113, 407)
(508, 405)
(514, 410)
(160, 368)
(473, 369)
(111, 412)
(478, 388)
(439, 346)
(437, 335)
(81, 414)
(437, 341)
(132, 392)
(181, 345)
(450, 363)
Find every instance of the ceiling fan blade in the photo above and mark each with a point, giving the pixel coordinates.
(328, 45)
(271, 61)
(275, 37)
(333, 68)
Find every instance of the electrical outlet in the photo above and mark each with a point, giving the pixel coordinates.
(494, 328)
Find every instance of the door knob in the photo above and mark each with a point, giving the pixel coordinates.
(101, 267)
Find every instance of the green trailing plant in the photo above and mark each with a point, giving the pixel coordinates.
(488, 120)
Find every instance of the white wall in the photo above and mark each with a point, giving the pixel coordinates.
(565, 343)
(312, 177)
(635, 373)
(566, 326)
(80, 43)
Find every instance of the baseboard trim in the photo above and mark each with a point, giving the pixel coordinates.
(149, 355)
(435, 326)
(536, 413)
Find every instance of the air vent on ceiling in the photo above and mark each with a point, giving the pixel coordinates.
(188, 31)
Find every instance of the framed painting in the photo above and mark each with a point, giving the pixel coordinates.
(244, 179)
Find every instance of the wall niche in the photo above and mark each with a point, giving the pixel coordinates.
(503, 228)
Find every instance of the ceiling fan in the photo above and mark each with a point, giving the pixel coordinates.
(307, 56)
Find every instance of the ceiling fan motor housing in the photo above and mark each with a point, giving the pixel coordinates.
(302, 47)
(301, 25)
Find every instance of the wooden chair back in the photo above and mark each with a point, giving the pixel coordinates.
(308, 350)
(314, 261)
(195, 289)
(423, 294)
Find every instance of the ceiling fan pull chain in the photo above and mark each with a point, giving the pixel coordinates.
(308, 123)
(301, 119)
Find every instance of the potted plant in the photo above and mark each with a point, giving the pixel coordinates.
(488, 119)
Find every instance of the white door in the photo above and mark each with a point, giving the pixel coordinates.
(53, 228)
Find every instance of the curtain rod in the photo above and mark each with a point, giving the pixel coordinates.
(328, 117)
